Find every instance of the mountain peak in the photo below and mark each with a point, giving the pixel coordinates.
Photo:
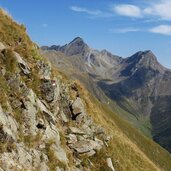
(77, 39)
(75, 47)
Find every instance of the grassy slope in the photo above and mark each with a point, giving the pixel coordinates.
(74, 67)
(128, 149)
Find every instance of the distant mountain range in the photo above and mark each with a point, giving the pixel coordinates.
(138, 87)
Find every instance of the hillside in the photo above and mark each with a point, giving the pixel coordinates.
(137, 87)
(48, 122)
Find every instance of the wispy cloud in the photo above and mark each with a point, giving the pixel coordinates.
(44, 25)
(85, 10)
(161, 9)
(124, 30)
(161, 29)
(92, 12)
(127, 10)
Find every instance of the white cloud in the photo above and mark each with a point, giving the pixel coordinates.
(127, 10)
(161, 9)
(44, 25)
(85, 10)
(162, 29)
(124, 30)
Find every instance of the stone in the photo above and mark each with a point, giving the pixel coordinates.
(51, 133)
(78, 110)
(9, 124)
(2, 47)
(85, 146)
(43, 167)
(50, 89)
(30, 112)
(44, 69)
(60, 153)
(72, 138)
(110, 164)
(22, 64)
(63, 117)
(75, 130)
(24, 158)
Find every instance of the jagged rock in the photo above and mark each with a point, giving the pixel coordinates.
(22, 64)
(50, 89)
(45, 111)
(43, 167)
(72, 138)
(24, 158)
(30, 112)
(9, 125)
(110, 164)
(44, 70)
(86, 146)
(2, 47)
(51, 133)
(78, 110)
(8, 162)
(75, 130)
(60, 154)
(87, 130)
(63, 117)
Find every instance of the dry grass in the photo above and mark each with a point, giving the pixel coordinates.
(129, 149)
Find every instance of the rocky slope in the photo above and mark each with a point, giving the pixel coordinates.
(48, 122)
(139, 86)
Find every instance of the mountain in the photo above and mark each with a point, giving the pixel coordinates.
(49, 122)
(137, 87)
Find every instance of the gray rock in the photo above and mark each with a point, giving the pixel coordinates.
(72, 138)
(86, 146)
(78, 110)
(9, 124)
(44, 70)
(43, 167)
(60, 153)
(110, 164)
(50, 89)
(22, 64)
(75, 130)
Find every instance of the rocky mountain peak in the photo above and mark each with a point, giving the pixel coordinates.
(75, 47)
(77, 40)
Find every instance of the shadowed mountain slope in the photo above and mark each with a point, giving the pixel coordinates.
(137, 87)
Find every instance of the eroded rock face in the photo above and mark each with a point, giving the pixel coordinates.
(38, 129)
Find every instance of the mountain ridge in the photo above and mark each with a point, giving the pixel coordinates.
(135, 83)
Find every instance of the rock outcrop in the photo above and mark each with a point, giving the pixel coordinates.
(35, 119)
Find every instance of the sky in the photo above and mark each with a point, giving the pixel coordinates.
(122, 27)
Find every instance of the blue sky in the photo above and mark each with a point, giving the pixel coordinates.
(122, 27)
